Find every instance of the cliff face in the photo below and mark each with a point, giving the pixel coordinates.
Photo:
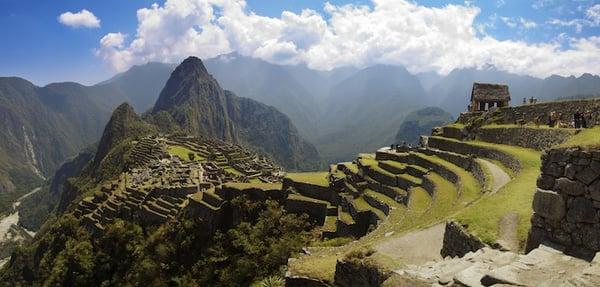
(196, 102)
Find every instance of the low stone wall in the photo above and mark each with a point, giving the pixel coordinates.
(316, 211)
(467, 149)
(458, 242)
(467, 163)
(529, 113)
(428, 185)
(359, 273)
(453, 132)
(527, 137)
(312, 191)
(253, 193)
(566, 204)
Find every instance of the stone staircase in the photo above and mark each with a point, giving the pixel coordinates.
(543, 266)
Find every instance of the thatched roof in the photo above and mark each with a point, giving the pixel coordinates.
(490, 92)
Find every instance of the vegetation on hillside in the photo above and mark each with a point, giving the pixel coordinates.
(178, 253)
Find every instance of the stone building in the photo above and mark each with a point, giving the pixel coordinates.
(485, 96)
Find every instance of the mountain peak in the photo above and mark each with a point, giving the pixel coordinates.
(194, 65)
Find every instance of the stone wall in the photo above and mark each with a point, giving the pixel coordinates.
(527, 137)
(458, 242)
(465, 162)
(453, 132)
(529, 113)
(316, 211)
(359, 273)
(312, 190)
(566, 204)
(464, 148)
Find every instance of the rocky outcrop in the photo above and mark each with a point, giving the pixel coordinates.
(567, 202)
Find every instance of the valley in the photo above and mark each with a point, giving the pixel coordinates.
(205, 188)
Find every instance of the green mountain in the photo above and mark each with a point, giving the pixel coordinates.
(421, 122)
(269, 84)
(364, 110)
(42, 127)
(196, 102)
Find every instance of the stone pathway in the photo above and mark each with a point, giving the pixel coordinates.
(543, 266)
(499, 176)
(416, 247)
(507, 231)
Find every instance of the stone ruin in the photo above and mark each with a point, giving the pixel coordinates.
(159, 186)
(567, 202)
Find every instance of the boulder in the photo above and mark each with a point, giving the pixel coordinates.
(587, 176)
(582, 210)
(549, 204)
(545, 181)
(594, 190)
(570, 187)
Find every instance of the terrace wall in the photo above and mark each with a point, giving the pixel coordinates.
(527, 137)
(468, 149)
(566, 204)
(529, 113)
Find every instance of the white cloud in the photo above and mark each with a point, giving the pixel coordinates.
(500, 3)
(392, 32)
(509, 22)
(83, 18)
(593, 14)
(527, 24)
(577, 23)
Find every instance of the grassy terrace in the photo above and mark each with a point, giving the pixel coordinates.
(587, 138)
(299, 197)
(469, 189)
(183, 153)
(513, 126)
(422, 211)
(316, 178)
(517, 196)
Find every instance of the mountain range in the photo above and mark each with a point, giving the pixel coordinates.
(342, 112)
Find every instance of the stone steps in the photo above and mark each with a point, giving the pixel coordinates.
(543, 266)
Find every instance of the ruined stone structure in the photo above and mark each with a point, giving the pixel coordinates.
(159, 186)
(539, 112)
(567, 202)
(485, 96)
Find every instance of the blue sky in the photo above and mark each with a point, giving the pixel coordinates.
(36, 46)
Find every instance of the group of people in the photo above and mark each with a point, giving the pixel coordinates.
(581, 120)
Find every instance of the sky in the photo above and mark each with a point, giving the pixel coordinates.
(89, 41)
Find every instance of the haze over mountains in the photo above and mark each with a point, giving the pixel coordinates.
(348, 110)
(342, 112)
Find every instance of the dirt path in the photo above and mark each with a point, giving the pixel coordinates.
(507, 231)
(416, 247)
(499, 176)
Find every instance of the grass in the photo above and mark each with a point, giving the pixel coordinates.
(362, 205)
(512, 126)
(329, 223)
(233, 171)
(483, 216)
(183, 153)
(346, 217)
(315, 178)
(298, 197)
(587, 138)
